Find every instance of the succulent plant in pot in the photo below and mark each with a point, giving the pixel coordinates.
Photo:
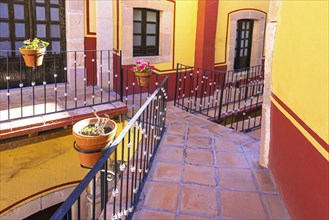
(33, 52)
(92, 136)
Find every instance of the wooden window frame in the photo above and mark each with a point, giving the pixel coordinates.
(143, 50)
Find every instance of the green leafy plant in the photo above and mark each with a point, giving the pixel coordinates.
(99, 128)
(34, 44)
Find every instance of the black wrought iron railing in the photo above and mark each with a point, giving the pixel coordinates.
(232, 98)
(66, 80)
(112, 188)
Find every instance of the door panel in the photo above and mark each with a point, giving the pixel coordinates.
(243, 44)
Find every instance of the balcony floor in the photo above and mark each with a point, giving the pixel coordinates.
(205, 171)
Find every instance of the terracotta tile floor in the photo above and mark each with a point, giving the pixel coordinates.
(206, 171)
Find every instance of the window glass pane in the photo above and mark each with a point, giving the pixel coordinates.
(247, 25)
(53, 1)
(137, 15)
(19, 11)
(20, 30)
(54, 30)
(242, 43)
(150, 40)
(247, 34)
(41, 30)
(243, 25)
(54, 14)
(150, 28)
(4, 45)
(3, 10)
(241, 52)
(55, 45)
(246, 52)
(18, 44)
(4, 27)
(41, 14)
(242, 34)
(137, 41)
(40, 1)
(246, 43)
(137, 28)
(151, 16)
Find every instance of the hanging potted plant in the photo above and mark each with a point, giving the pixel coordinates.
(92, 136)
(143, 72)
(33, 52)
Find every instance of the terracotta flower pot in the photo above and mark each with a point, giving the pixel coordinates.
(86, 145)
(33, 58)
(143, 79)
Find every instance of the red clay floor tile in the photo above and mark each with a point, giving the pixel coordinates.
(199, 175)
(236, 179)
(237, 137)
(242, 205)
(201, 157)
(150, 214)
(264, 181)
(170, 154)
(162, 196)
(230, 159)
(275, 207)
(173, 139)
(252, 147)
(198, 142)
(222, 144)
(199, 200)
(167, 172)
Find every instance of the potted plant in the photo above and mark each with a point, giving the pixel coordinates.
(33, 52)
(143, 72)
(92, 136)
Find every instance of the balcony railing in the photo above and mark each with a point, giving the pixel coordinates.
(232, 98)
(112, 188)
(66, 80)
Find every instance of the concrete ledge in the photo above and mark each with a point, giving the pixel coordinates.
(25, 126)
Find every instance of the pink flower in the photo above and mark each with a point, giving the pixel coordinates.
(152, 67)
(138, 61)
(141, 67)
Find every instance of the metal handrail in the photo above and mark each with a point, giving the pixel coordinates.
(74, 196)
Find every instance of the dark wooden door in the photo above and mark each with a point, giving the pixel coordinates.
(243, 44)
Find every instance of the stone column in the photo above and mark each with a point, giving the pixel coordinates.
(75, 40)
(266, 110)
(104, 30)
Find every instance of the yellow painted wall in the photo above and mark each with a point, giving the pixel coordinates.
(225, 7)
(186, 20)
(32, 168)
(185, 32)
(300, 62)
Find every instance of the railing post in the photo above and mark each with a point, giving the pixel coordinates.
(176, 86)
(221, 95)
(121, 77)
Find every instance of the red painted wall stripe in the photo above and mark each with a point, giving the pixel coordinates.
(302, 123)
(206, 34)
(299, 170)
